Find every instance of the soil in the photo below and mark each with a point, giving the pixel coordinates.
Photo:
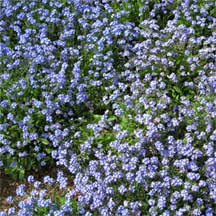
(8, 185)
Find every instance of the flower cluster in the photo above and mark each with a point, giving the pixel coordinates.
(119, 95)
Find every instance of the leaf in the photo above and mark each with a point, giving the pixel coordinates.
(178, 90)
(62, 200)
(184, 141)
(48, 150)
(112, 118)
(97, 117)
(44, 141)
(21, 174)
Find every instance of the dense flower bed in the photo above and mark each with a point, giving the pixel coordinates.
(119, 95)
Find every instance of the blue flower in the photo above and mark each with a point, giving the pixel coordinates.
(20, 191)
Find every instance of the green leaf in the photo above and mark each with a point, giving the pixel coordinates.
(184, 141)
(97, 117)
(112, 118)
(21, 174)
(178, 90)
(44, 141)
(48, 150)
